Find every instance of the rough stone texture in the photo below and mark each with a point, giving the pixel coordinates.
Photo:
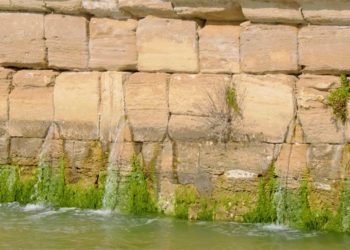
(272, 11)
(5, 4)
(147, 107)
(335, 12)
(143, 8)
(167, 45)
(5, 81)
(267, 107)
(112, 44)
(25, 151)
(77, 105)
(31, 112)
(28, 5)
(112, 105)
(22, 40)
(34, 78)
(4, 150)
(324, 49)
(65, 6)
(221, 10)
(315, 116)
(269, 48)
(126, 150)
(219, 48)
(104, 8)
(68, 46)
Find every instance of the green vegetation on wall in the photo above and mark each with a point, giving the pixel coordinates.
(231, 100)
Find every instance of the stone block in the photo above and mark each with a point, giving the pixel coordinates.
(5, 81)
(5, 4)
(4, 150)
(34, 78)
(113, 44)
(219, 48)
(167, 45)
(68, 47)
(31, 112)
(267, 107)
(143, 8)
(65, 6)
(324, 49)
(269, 48)
(28, 5)
(104, 8)
(25, 151)
(220, 10)
(77, 105)
(22, 40)
(272, 11)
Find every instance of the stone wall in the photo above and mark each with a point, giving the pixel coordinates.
(72, 70)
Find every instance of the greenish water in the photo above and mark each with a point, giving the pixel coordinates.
(39, 227)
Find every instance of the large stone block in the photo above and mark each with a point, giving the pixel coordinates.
(167, 45)
(316, 118)
(68, 47)
(31, 112)
(28, 5)
(34, 78)
(335, 12)
(267, 107)
(143, 8)
(220, 10)
(269, 48)
(272, 11)
(4, 150)
(113, 44)
(22, 40)
(5, 4)
(324, 49)
(219, 48)
(104, 8)
(25, 151)
(77, 105)
(5, 81)
(65, 6)
(147, 105)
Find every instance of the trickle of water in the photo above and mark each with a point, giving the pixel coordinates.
(279, 202)
(110, 198)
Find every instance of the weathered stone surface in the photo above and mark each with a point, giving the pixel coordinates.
(121, 161)
(113, 44)
(25, 151)
(31, 112)
(68, 47)
(34, 78)
(112, 105)
(28, 5)
(65, 6)
(5, 4)
(22, 40)
(332, 41)
(4, 150)
(219, 48)
(269, 48)
(5, 81)
(221, 10)
(143, 8)
(335, 12)
(167, 45)
(77, 105)
(267, 107)
(315, 116)
(272, 11)
(104, 8)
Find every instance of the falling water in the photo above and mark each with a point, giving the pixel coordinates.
(110, 198)
(279, 202)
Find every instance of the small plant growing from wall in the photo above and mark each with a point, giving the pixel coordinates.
(338, 99)
(231, 100)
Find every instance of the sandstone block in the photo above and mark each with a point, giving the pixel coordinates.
(68, 47)
(5, 81)
(25, 151)
(269, 48)
(201, 95)
(34, 78)
(104, 8)
(5, 4)
(31, 112)
(28, 5)
(167, 45)
(113, 44)
(22, 40)
(324, 49)
(143, 8)
(221, 10)
(65, 6)
(77, 101)
(315, 116)
(219, 48)
(267, 107)
(4, 150)
(121, 162)
(187, 156)
(272, 11)
(324, 12)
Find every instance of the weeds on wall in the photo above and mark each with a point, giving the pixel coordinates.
(338, 99)
(231, 100)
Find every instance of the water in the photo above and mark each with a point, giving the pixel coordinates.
(40, 227)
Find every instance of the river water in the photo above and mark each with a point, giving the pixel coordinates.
(39, 227)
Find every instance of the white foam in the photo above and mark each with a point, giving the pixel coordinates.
(33, 207)
(275, 227)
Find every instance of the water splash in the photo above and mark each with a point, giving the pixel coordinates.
(280, 204)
